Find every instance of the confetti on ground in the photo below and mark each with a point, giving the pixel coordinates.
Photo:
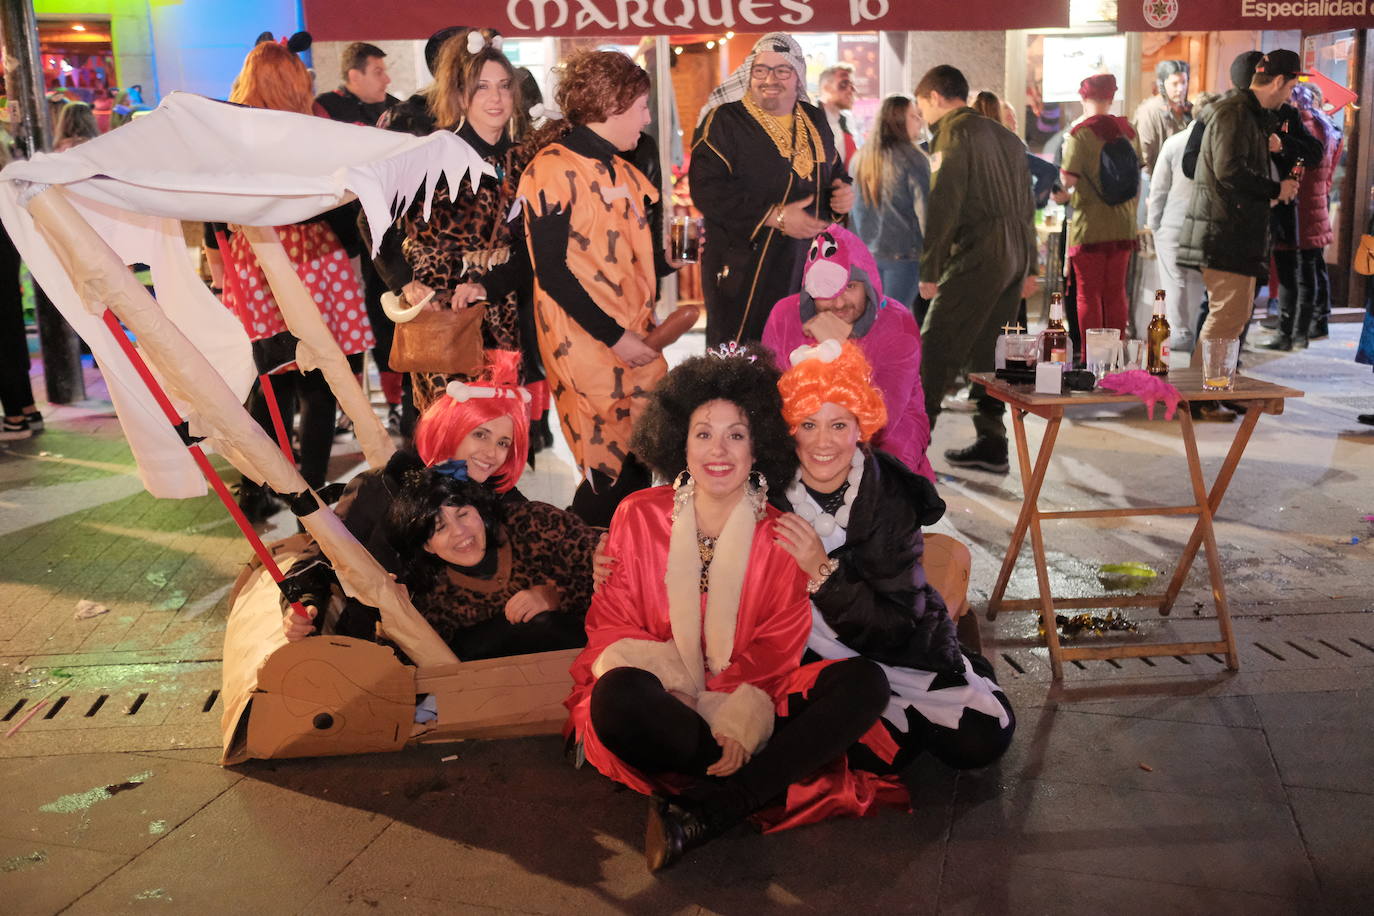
(448, 758)
(1147, 768)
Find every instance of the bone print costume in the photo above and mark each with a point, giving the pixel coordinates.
(593, 254)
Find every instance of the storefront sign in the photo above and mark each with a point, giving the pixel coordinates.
(374, 20)
(1217, 15)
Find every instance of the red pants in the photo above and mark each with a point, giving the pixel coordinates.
(1101, 277)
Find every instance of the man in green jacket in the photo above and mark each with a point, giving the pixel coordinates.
(1226, 231)
(979, 250)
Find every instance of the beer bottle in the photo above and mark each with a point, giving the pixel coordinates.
(1054, 340)
(1158, 337)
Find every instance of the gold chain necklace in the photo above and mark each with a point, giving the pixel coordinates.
(803, 157)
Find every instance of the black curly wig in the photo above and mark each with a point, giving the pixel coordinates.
(660, 433)
(413, 516)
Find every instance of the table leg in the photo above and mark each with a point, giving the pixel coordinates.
(1218, 491)
(1030, 485)
(1203, 528)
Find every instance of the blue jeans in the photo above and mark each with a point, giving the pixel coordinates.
(901, 280)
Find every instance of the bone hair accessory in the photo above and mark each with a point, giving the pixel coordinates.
(463, 392)
(477, 42)
(827, 352)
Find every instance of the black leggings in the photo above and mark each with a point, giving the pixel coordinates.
(16, 391)
(318, 409)
(650, 729)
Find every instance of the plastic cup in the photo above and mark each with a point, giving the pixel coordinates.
(1102, 351)
(1023, 351)
(1219, 363)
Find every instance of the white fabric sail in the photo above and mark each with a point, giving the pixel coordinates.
(197, 159)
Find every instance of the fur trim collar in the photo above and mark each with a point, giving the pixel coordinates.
(725, 582)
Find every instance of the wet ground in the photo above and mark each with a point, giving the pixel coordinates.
(1159, 785)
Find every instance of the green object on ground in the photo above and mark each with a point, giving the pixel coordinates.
(1125, 575)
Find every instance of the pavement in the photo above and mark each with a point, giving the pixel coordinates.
(1167, 785)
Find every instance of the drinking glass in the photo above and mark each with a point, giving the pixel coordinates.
(684, 238)
(1023, 351)
(1219, 363)
(1102, 351)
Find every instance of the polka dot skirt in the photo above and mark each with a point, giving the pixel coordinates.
(322, 265)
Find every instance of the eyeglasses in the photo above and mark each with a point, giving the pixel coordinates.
(844, 84)
(782, 72)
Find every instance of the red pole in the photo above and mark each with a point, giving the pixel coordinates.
(274, 409)
(216, 484)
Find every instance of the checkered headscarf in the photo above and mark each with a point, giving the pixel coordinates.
(737, 83)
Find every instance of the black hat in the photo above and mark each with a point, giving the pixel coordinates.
(1243, 68)
(1282, 63)
(436, 41)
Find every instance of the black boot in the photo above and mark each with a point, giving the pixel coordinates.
(988, 453)
(257, 502)
(672, 831)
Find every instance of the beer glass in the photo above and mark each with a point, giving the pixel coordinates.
(684, 239)
(1219, 363)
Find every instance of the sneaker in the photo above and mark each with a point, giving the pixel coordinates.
(1318, 331)
(960, 402)
(1278, 342)
(15, 429)
(986, 454)
(35, 420)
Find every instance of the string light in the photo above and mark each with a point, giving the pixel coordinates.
(729, 35)
(677, 50)
(710, 45)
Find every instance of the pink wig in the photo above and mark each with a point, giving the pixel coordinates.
(447, 422)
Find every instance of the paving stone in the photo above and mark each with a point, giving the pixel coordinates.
(42, 878)
(105, 802)
(1336, 828)
(1322, 740)
(1032, 891)
(1067, 746)
(1230, 711)
(1235, 844)
(255, 848)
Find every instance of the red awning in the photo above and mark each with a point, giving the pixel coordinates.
(353, 20)
(1223, 15)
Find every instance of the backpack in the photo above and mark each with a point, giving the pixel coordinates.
(1118, 172)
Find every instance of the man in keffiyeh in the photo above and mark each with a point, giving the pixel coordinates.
(766, 176)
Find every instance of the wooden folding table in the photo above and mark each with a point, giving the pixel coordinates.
(1260, 397)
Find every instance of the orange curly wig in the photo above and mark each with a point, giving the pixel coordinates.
(846, 381)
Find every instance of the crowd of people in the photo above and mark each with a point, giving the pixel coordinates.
(758, 623)
(761, 619)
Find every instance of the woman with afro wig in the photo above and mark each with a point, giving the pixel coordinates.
(689, 688)
(866, 510)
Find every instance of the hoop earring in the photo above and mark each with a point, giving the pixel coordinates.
(758, 493)
(683, 488)
(683, 478)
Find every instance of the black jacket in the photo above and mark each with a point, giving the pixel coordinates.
(878, 601)
(1227, 225)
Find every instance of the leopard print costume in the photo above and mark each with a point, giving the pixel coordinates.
(611, 253)
(538, 544)
(468, 240)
